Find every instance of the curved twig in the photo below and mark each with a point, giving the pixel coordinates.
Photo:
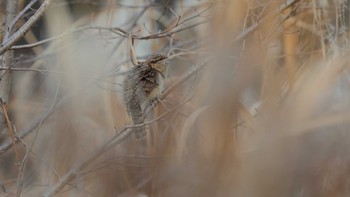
(25, 28)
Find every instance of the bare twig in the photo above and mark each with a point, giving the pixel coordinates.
(196, 15)
(120, 137)
(21, 13)
(34, 124)
(7, 61)
(29, 150)
(25, 131)
(194, 70)
(253, 27)
(132, 52)
(116, 30)
(71, 175)
(160, 116)
(30, 69)
(11, 131)
(25, 28)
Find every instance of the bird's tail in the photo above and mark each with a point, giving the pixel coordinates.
(140, 133)
(138, 118)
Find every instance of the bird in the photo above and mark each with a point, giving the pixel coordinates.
(142, 85)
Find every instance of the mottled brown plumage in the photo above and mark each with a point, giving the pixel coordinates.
(142, 85)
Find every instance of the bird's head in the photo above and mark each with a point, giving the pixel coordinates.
(158, 62)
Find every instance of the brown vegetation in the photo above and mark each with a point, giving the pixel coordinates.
(256, 102)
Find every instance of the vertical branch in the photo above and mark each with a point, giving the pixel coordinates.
(7, 60)
(11, 130)
(290, 40)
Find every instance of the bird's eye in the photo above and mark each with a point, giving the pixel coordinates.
(155, 60)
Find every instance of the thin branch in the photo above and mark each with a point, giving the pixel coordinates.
(5, 76)
(194, 70)
(35, 123)
(164, 33)
(25, 158)
(116, 30)
(196, 15)
(160, 116)
(25, 28)
(21, 13)
(25, 131)
(12, 133)
(117, 139)
(29, 69)
(253, 27)
(71, 175)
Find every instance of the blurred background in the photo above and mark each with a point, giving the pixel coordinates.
(256, 101)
